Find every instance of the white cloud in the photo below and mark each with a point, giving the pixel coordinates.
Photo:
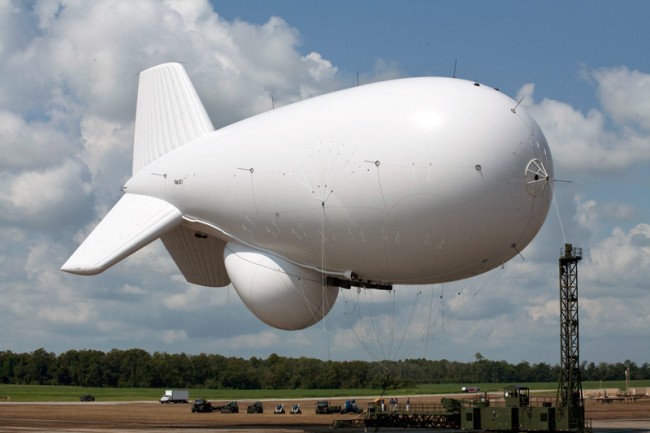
(592, 214)
(318, 67)
(587, 214)
(619, 263)
(132, 290)
(76, 313)
(613, 323)
(173, 336)
(193, 297)
(30, 145)
(47, 198)
(16, 29)
(542, 309)
(624, 95)
(598, 141)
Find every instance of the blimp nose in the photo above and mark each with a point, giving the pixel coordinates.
(537, 177)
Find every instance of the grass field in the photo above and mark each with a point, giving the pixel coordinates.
(19, 393)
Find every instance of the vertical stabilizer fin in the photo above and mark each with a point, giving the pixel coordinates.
(199, 257)
(169, 113)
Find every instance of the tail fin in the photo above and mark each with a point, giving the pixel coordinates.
(134, 221)
(169, 113)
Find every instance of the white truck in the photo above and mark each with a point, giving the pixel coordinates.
(175, 396)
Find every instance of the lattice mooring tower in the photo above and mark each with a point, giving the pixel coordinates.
(569, 392)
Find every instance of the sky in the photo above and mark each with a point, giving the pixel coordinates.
(67, 103)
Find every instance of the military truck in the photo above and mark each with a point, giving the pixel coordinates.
(202, 405)
(256, 407)
(324, 407)
(231, 407)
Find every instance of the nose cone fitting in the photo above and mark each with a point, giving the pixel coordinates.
(537, 177)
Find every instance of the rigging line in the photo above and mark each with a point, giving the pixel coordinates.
(331, 173)
(385, 387)
(339, 182)
(391, 341)
(354, 307)
(303, 180)
(557, 210)
(379, 326)
(375, 330)
(364, 344)
(355, 314)
(313, 308)
(484, 284)
(428, 333)
(362, 341)
(528, 222)
(403, 346)
(381, 189)
(252, 180)
(434, 330)
(442, 307)
(408, 325)
(424, 333)
(426, 342)
(377, 163)
(391, 325)
(440, 319)
(425, 260)
(495, 322)
(323, 278)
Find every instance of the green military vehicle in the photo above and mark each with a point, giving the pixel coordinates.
(256, 407)
(324, 407)
(231, 407)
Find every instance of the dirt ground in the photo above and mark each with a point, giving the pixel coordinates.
(142, 416)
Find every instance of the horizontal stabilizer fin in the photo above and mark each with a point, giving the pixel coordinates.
(198, 256)
(134, 221)
(169, 113)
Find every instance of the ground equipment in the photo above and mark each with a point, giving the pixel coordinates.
(256, 407)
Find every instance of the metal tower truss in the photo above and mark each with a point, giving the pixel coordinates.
(569, 394)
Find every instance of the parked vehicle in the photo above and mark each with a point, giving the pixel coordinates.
(256, 407)
(175, 396)
(324, 407)
(86, 397)
(231, 407)
(279, 408)
(295, 409)
(202, 405)
(351, 407)
(470, 389)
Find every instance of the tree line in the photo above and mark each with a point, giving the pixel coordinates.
(138, 368)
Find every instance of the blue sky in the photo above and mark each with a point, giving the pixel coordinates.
(506, 44)
(67, 98)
